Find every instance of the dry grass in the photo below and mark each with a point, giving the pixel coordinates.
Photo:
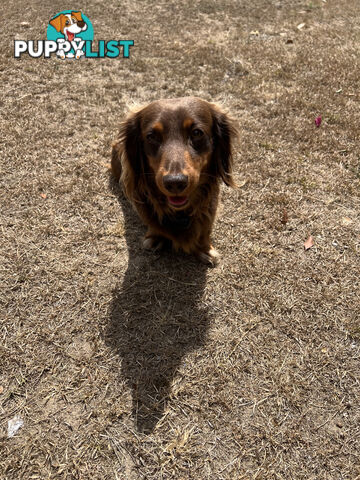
(128, 365)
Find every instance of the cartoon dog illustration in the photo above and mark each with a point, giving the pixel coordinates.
(69, 24)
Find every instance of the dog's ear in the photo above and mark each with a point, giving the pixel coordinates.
(56, 22)
(77, 15)
(80, 21)
(224, 133)
(127, 160)
(116, 154)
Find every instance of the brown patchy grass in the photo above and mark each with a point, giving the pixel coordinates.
(128, 365)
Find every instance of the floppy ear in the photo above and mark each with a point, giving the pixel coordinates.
(224, 134)
(116, 154)
(77, 15)
(127, 160)
(81, 23)
(56, 22)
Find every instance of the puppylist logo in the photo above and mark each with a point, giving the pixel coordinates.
(70, 34)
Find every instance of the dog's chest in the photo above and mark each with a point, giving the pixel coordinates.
(177, 223)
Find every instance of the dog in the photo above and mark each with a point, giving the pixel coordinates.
(170, 157)
(69, 24)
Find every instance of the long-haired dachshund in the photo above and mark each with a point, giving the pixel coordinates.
(170, 157)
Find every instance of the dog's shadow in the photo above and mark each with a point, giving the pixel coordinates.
(156, 317)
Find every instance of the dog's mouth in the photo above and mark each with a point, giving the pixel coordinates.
(70, 36)
(177, 201)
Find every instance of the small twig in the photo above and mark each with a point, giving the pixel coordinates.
(328, 420)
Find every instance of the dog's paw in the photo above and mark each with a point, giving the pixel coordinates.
(210, 258)
(79, 53)
(154, 243)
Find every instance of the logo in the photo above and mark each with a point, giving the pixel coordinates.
(70, 30)
(70, 34)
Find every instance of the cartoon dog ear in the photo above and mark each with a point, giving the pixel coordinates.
(56, 22)
(81, 23)
(224, 134)
(128, 156)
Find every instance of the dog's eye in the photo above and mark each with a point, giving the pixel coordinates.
(152, 137)
(197, 133)
(67, 22)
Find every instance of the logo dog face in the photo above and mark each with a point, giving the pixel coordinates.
(69, 24)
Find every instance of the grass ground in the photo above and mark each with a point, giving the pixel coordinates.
(128, 365)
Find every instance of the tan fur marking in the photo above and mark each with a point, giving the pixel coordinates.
(188, 122)
(159, 127)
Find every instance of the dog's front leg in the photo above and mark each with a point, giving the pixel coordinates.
(206, 253)
(153, 241)
(209, 257)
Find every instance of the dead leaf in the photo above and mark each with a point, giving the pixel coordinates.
(1, 389)
(300, 26)
(309, 243)
(346, 221)
(285, 217)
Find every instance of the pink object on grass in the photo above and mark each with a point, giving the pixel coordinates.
(318, 121)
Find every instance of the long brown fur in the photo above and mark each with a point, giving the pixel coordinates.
(187, 228)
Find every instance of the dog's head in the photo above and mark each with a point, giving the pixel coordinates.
(174, 147)
(69, 24)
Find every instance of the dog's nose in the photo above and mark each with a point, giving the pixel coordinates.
(80, 23)
(175, 183)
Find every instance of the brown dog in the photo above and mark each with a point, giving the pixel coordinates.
(170, 158)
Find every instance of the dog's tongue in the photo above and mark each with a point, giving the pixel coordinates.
(71, 36)
(177, 200)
